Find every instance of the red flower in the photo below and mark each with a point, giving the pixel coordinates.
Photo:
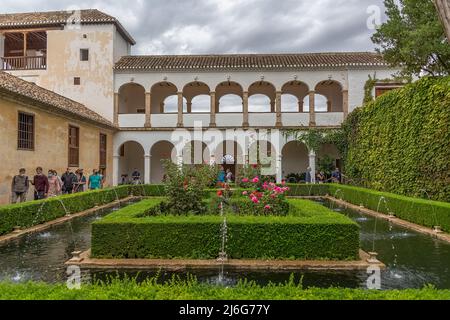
(220, 193)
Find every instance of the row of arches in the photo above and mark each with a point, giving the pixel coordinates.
(295, 157)
(229, 97)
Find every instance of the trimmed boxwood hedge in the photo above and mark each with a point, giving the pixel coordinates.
(296, 190)
(33, 213)
(423, 212)
(192, 290)
(319, 234)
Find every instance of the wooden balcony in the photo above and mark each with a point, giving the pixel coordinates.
(24, 63)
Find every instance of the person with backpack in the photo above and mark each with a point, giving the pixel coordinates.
(19, 187)
(69, 179)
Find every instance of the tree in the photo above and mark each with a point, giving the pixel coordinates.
(413, 38)
(443, 7)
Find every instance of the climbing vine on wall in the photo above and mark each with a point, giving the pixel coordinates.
(401, 141)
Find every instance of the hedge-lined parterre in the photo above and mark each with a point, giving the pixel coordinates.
(315, 233)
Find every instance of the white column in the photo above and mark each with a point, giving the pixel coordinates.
(147, 168)
(245, 123)
(279, 168)
(180, 110)
(116, 172)
(312, 165)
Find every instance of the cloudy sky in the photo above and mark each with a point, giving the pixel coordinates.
(233, 26)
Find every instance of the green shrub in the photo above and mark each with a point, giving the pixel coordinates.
(192, 290)
(315, 233)
(423, 212)
(307, 190)
(33, 213)
(400, 142)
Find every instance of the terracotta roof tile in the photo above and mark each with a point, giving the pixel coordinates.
(56, 18)
(13, 85)
(252, 61)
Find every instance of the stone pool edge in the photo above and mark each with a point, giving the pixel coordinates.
(85, 261)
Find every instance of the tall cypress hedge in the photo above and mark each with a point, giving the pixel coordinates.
(400, 142)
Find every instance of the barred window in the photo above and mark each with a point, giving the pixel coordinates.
(25, 138)
(103, 150)
(74, 146)
(84, 54)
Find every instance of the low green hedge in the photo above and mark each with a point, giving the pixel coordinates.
(420, 211)
(296, 190)
(307, 190)
(33, 213)
(319, 234)
(192, 290)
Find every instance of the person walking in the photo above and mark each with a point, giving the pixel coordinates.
(222, 175)
(61, 184)
(308, 177)
(336, 177)
(69, 180)
(19, 187)
(229, 176)
(54, 186)
(40, 183)
(80, 182)
(95, 181)
(321, 178)
(136, 176)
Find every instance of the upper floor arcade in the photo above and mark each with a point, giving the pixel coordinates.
(257, 91)
(231, 104)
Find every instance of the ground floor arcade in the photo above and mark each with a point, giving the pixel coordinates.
(279, 156)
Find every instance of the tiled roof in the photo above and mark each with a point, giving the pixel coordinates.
(13, 85)
(56, 18)
(252, 61)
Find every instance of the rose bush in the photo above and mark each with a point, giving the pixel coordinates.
(269, 199)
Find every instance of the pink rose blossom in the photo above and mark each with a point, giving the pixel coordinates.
(245, 193)
(256, 180)
(255, 200)
(267, 207)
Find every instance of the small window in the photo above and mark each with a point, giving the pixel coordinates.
(103, 150)
(74, 146)
(77, 81)
(122, 151)
(25, 138)
(84, 54)
(140, 111)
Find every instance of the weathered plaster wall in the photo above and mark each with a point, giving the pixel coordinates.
(63, 65)
(121, 46)
(2, 45)
(51, 145)
(356, 81)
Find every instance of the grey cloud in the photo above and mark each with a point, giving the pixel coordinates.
(231, 26)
